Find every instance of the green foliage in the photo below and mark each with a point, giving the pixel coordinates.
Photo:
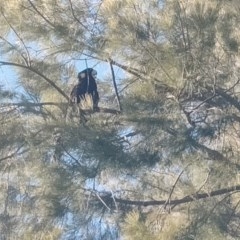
(135, 228)
(69, 172)
(52, 234)
(158, 226)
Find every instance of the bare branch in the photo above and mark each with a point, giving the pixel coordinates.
(59, 104)
(141, 75)
(17, 152)
(102, 201)
(38, 73)
(158, 62)
(128, 69)
(186, 199)
(31, 104)
(103, 110)
(27, 60)
(168, 202)
(115, 86)
(40, 14)
(75, 17)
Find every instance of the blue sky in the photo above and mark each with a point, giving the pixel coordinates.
(8, 78)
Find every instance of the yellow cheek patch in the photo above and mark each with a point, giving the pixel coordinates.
(82, 75)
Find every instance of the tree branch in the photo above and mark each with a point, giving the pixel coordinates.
(115, 86)
(75, 17)
(103, 110)
(15, 153)
(233, 101)
(168, 202)
(27, 60)
(128, 69)
(58, 104)
(40, 14)
(141, 75)
(133, 71)
(213, 154)
(4, 63)
(187, 199)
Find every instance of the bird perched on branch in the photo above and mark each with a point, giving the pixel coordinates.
(86, 86)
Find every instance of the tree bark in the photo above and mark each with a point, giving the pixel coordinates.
(190, 198)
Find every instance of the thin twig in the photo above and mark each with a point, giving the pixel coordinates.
(27, 60)
(102, 201)
(13, 154)
(158, 62)
(115, 87)
(40, 14)
(75, 17)
(114, 200)
(173, 187)
(216, 93)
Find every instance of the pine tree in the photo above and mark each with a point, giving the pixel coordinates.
(160, 160)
